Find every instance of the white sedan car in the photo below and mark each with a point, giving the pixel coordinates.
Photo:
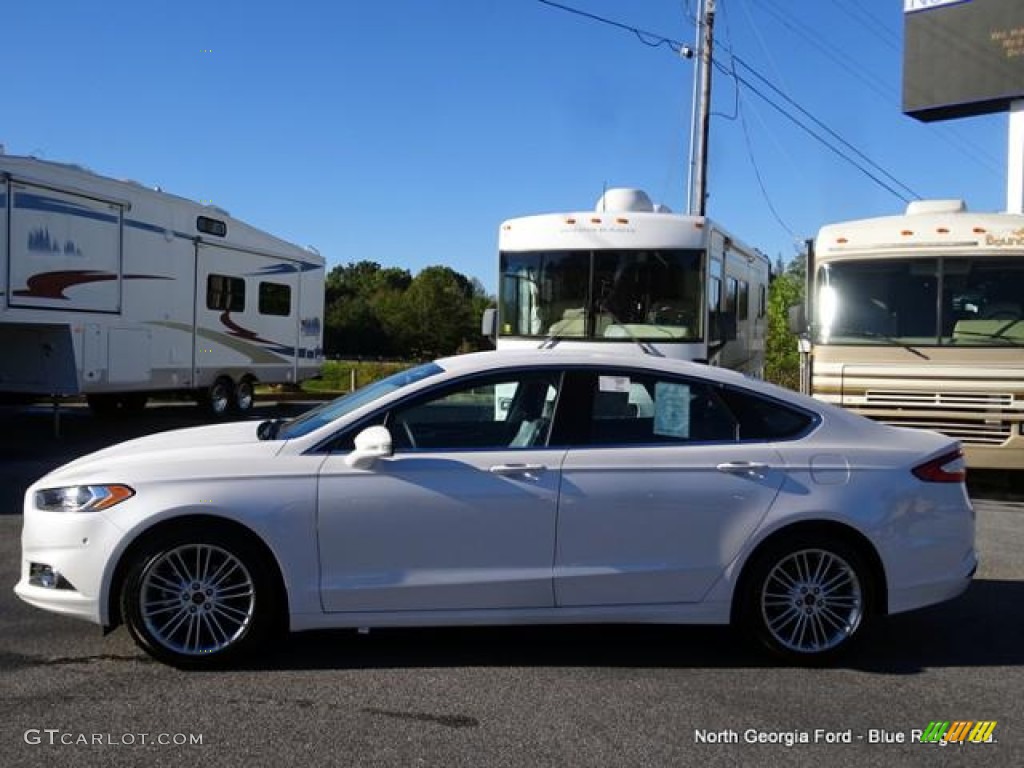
(508, 488)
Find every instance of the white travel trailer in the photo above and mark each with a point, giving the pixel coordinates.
(115, 291)
(632, 277)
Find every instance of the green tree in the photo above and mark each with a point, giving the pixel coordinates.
(436, 312)
(372, 311)
(358, 299)
(782, 358)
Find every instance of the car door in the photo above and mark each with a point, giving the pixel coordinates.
(460, 517)
(661, 495)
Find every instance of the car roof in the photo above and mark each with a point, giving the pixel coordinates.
(555, 357)
(515, 358)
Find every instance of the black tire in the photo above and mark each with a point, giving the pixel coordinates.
(219, 399)
(102, 406)
(245, 396)
(807, 598)
(200, 599)
(133, 403)
(117, 404)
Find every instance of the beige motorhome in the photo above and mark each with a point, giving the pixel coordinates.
(918, 320)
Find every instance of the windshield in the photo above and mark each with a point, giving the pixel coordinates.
(643, 294)
(975, 301)
(335, 409)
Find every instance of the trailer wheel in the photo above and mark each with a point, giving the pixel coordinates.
(102, 405)
(219, 399)
(244, 396)
(113, 404)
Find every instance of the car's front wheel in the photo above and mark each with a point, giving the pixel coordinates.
(194, 600)
(807, 599)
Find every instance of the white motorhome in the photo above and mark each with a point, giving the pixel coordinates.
(115, 291)
(917, 320)
(633, 277)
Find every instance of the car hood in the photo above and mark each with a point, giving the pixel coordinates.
(195, 445)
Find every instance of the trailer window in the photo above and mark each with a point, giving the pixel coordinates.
(225, 293)
(212, 226)
(275, 299)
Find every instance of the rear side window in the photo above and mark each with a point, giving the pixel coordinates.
(642, 409)
(761, 418)
(626, 408)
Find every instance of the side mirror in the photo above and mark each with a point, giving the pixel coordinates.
(489, 323)
(371, 444)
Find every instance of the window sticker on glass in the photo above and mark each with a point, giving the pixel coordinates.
(613, 383)
(672, 410)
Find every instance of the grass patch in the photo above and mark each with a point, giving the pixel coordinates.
(339, 375)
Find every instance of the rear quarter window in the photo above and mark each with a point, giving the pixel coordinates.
(762, 418)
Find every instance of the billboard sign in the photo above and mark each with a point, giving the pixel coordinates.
(962, 57)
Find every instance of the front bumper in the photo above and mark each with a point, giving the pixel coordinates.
(78, 548)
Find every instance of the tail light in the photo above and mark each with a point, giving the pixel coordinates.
(948, 468)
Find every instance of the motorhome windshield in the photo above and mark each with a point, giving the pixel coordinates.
(608, 294)
(976, 301)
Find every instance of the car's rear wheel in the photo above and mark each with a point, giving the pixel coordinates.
(807, 599)
(195, 600)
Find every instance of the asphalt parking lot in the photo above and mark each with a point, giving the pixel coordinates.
(588, 696)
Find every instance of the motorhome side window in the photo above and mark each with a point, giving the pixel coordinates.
(744, 300)
(275, 299)
(212, 226)
(225, 293)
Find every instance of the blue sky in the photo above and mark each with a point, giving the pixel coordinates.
(404, 132)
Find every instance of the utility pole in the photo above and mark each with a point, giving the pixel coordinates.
(702, 111)
(1015, 159)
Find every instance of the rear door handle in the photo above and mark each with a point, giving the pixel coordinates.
(517, 469)
(750, 468)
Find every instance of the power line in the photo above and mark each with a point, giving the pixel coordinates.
(855, 69)
(824, 127)
(741, 115)
(655, 40)
(870, 22)
(751, 87)
(647, 38)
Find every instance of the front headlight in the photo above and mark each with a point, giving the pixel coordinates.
(81, 498)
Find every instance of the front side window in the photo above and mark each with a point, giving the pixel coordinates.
(342, 406)
(511, 411)
(976, 301)
(614, 294)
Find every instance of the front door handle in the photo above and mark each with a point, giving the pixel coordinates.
(749, 468)
(517, 469)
